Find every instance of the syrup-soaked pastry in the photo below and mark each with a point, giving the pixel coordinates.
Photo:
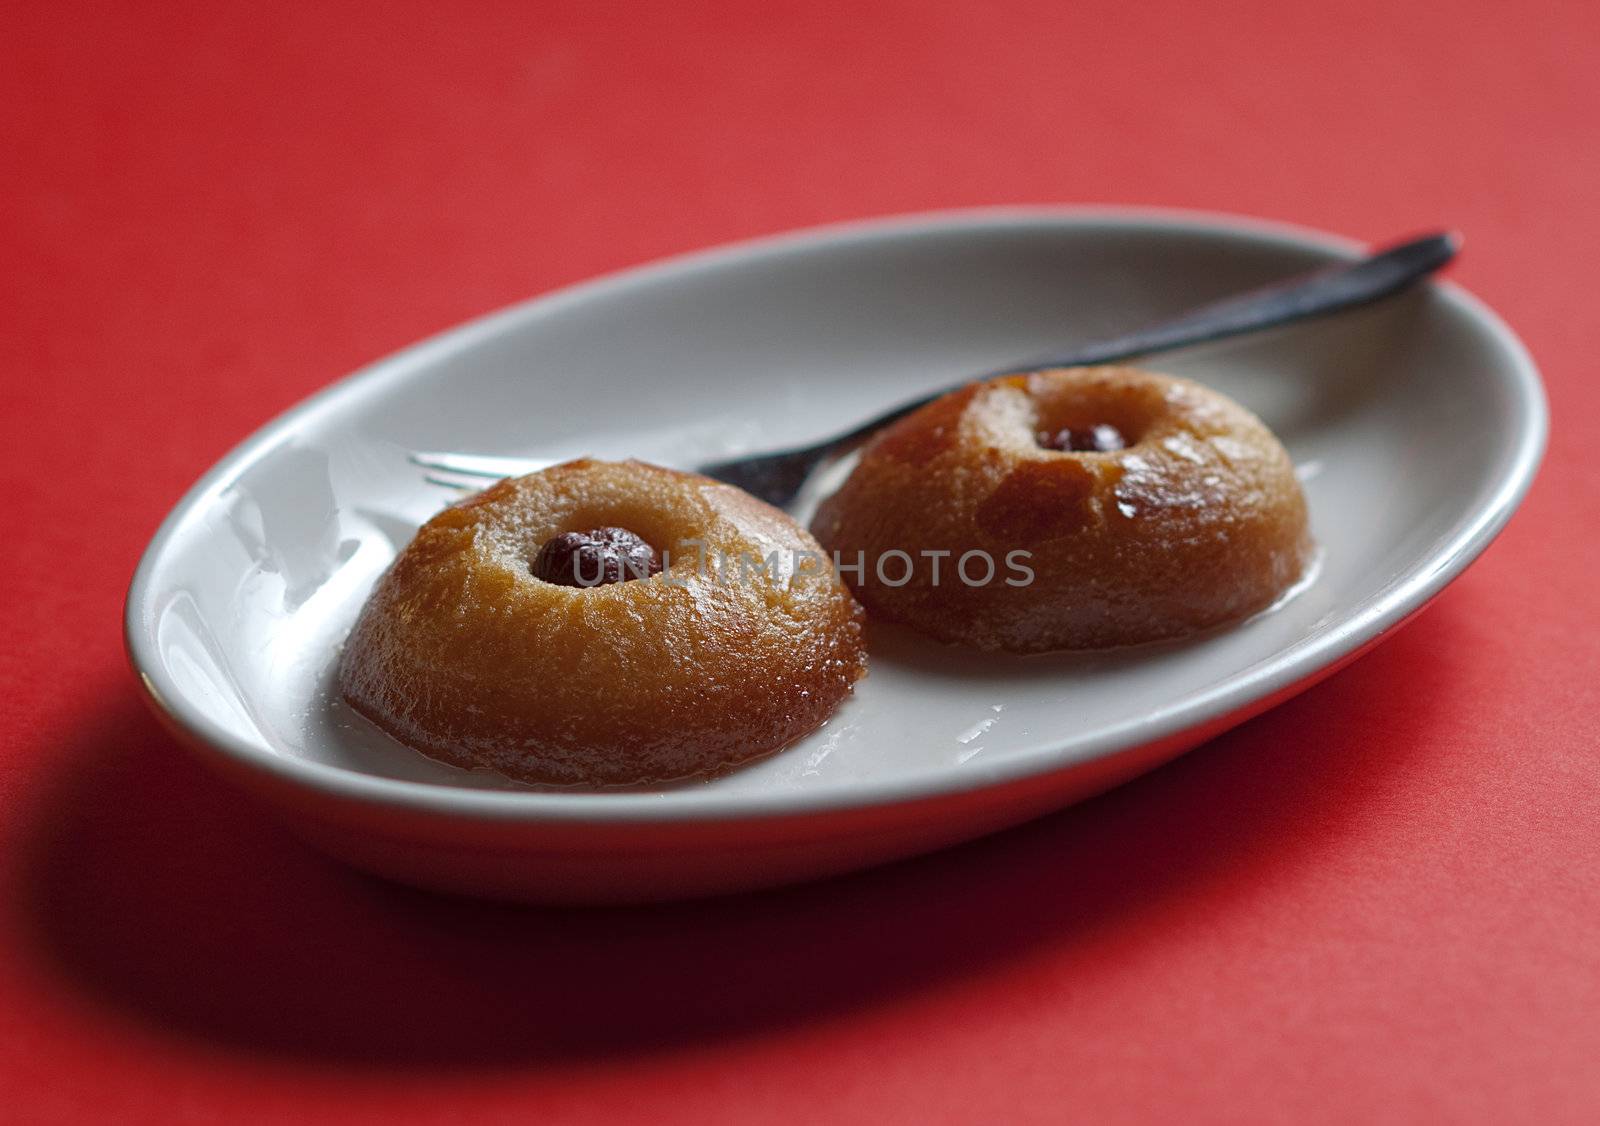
(602, 624)
(1116, 506)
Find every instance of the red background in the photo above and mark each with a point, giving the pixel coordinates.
(1379, 902)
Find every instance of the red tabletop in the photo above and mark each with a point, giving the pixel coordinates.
(1379, 902)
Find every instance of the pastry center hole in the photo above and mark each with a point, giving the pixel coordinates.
(1101, 437)
(595, 558)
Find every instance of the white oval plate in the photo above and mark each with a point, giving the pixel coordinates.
(1417, 426)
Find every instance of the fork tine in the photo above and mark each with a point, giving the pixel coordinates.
(478, 465)
(448, 483)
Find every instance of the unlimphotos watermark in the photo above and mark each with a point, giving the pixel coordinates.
(787, 567)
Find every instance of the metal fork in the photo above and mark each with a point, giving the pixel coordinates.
(780, 476)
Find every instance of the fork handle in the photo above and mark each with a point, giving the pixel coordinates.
(1328, 290)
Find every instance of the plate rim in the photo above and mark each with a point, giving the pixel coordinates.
(1288, 668)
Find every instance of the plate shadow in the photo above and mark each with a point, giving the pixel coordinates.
(159, 892)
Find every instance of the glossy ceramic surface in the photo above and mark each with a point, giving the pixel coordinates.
(1417, 426)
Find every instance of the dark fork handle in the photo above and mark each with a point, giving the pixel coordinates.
(1331, 289)
(1324, 291)
(778, 477)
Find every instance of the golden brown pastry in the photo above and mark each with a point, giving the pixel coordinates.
(1094, 507)
(533, 630)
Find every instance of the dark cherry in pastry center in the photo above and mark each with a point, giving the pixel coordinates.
(1100, 438)
(595, 558)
